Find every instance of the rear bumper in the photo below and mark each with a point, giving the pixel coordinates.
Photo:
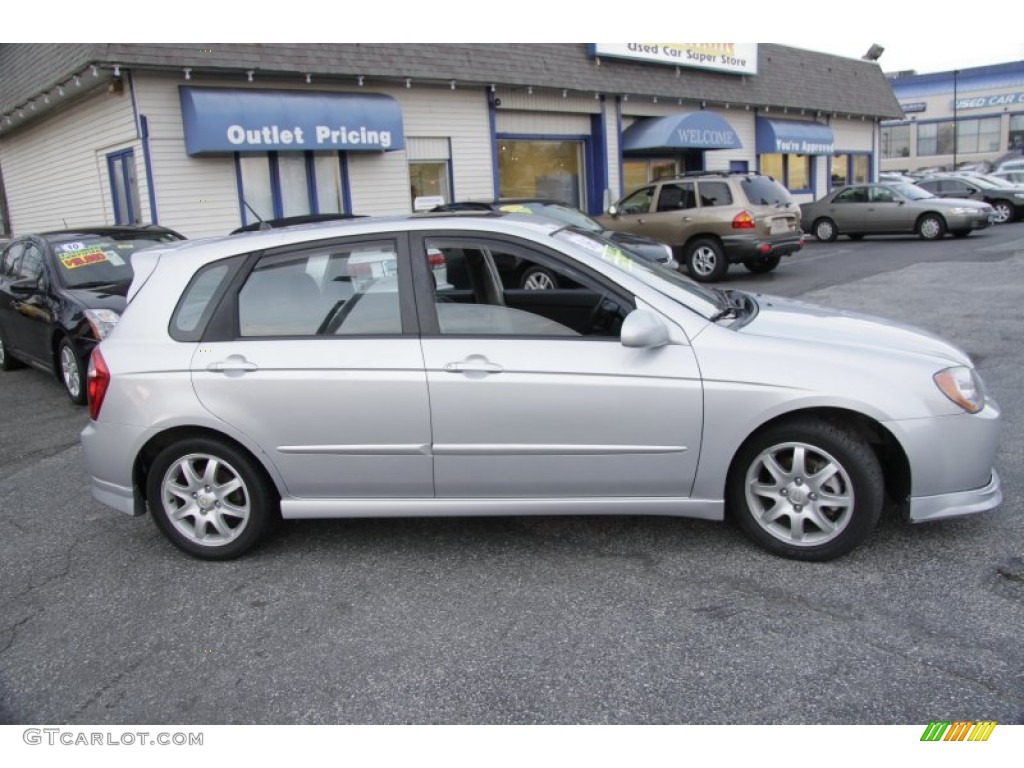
(742, 247)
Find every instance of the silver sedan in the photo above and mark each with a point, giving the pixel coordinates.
(892, 209)
(382, 368)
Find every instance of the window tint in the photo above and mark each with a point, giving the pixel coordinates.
(338, 291)
(485, 289)
(11, 259)
(676, 197)
(31, 266)
(714, 193)
(852, 195)
(197, 302)
(761, 190)
(883, 195)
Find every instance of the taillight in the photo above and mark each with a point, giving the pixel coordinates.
(98, 381)
(743, 220)
(435, 259)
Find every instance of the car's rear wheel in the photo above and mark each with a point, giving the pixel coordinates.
(705, 259)
(762, 264)
(806, 489)
(1004, 212)
(209, 498)
(72, 372)
(825, 230)
(931, 227)
(538, 279)
(7, 361)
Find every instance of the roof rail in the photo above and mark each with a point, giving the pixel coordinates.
(723, 174)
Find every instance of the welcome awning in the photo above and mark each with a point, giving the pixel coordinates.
(219, 120)
(793, 137)
(686, 130)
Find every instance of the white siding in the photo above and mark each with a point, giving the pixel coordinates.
(55, 171)
(541, 123)
(546, 100)
(427, 149)
(743, 123)
(852, 135)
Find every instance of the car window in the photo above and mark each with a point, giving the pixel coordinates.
(677, 197)
(883, 195)
(555, 212)
(714, 193)
(342, 290)
(31, 266)
(12, 258)
(93, 260)
(483, 288)
(764, 190)
(852, 195)
(196, 303)
(638, 202)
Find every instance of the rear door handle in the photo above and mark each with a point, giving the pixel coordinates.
(474, 364)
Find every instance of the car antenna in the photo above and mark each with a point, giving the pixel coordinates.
(263, 225)
(65, 222)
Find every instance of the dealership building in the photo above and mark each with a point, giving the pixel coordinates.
(204, 137)
(953, 118)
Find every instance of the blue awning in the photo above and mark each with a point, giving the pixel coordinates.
(687, 130)
(221, 120)
(793, 137)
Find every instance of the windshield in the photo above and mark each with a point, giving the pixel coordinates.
(662, 279)
(912, 191)
(556, 212)
(93, 260)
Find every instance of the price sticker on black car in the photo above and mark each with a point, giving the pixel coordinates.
(82, 257)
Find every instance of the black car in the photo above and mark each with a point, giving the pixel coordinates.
(537, 278)
(62, 292)
(1008, 201)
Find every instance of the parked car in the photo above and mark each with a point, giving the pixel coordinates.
(895, 178)
(713, 220)
(880, 209)
(251, 377)
(1013, 177)
(1007, 201)
(62, 292)
(539, 278)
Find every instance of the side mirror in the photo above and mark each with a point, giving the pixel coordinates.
(613, 210)
(26, 286)
(643, 329)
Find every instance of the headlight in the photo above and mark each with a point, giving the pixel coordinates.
(102, 321)
(669, 256)
(964, 211)
(963, 386)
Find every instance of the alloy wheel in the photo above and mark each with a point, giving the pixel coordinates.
(205, 499)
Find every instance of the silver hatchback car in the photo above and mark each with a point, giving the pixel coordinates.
(380, 367)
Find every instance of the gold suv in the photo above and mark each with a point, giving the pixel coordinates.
(712, 220)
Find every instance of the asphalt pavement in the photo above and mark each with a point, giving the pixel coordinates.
(532, 620)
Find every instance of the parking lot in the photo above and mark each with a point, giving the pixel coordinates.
(533, 620)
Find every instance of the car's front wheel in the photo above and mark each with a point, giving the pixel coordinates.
(931, 227)
(806, 489)
(762, 264)
(7, 361)
(72, 373)
(825, 230)
(705, 259)
(209, 498)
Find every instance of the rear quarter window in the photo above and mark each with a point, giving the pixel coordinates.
(199, 301)
(762, 190)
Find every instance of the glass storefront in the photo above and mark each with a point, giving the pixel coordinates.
(792, 171)
(428, 181)
(547, 169)
(279, 184)
(636, 173)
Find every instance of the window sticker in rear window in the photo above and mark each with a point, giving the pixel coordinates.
(83, 256)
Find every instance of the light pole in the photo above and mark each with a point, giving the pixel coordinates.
(956, 72)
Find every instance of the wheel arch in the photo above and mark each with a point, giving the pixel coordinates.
(144, 458)
(887, 449)
(923, 214)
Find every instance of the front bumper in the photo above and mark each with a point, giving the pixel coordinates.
(971, 221)
(924, 508)
(739, 248)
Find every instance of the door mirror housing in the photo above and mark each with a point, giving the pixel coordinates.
(644, 330)
(26, 286)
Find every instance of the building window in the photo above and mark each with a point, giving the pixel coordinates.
(428, 181)
(974, 136)
(895, 141)
(860, 165)
(840, 172)
(549, 169)
(793, 171)
(278, 184)
(124, 190)
(935, 138)
(1016, 132)
(637, 173)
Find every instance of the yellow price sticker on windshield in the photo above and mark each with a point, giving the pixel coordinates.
(82, 257)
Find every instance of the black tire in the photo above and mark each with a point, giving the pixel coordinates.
(537, 279)
(71, 372)
(1005, 213)
(219, 521)
(7, 361)
(705, 260)
(856, 237)
(762, 264)
(931, 226)
(960, 232)
(836, 463)
(825, 230)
